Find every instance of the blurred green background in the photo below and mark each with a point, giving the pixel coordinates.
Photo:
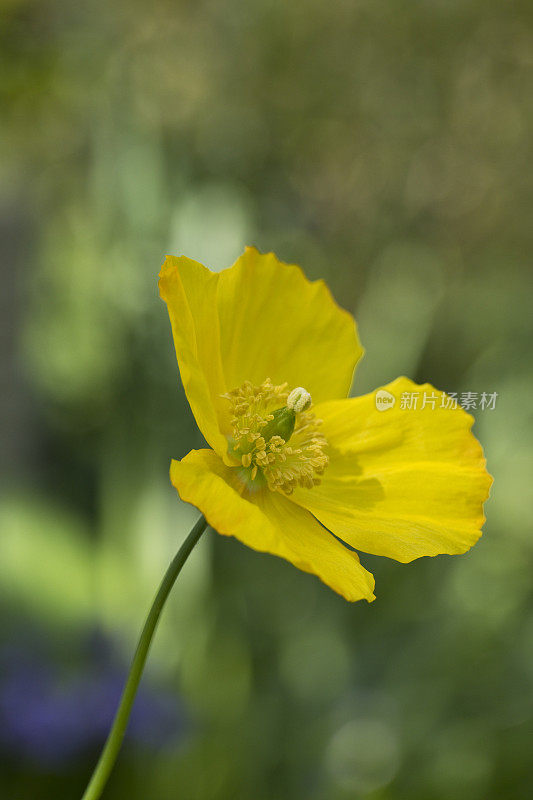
(386, 147)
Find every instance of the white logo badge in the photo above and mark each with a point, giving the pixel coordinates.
(384, 400)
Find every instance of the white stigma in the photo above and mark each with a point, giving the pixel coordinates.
(299, 399)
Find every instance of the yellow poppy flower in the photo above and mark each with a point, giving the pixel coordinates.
(297, 468)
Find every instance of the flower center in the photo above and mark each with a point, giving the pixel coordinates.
(263, 419)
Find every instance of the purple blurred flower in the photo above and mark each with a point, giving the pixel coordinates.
(52, 712)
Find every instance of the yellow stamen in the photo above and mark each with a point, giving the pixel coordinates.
(282, 466)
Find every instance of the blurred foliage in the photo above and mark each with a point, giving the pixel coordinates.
(385, 147)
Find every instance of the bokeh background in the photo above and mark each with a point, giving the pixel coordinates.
(386, 147)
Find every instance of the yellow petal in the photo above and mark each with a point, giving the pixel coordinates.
(275, 323)
(401, 483)
(189, 290)
(268, 522)
(259, 319)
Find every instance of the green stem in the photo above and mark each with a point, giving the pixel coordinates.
(116, 734)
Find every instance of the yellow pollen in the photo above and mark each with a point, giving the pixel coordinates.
(274, 462)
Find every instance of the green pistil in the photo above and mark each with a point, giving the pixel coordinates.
(282, 424)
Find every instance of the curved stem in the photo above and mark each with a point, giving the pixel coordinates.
(116, 734)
